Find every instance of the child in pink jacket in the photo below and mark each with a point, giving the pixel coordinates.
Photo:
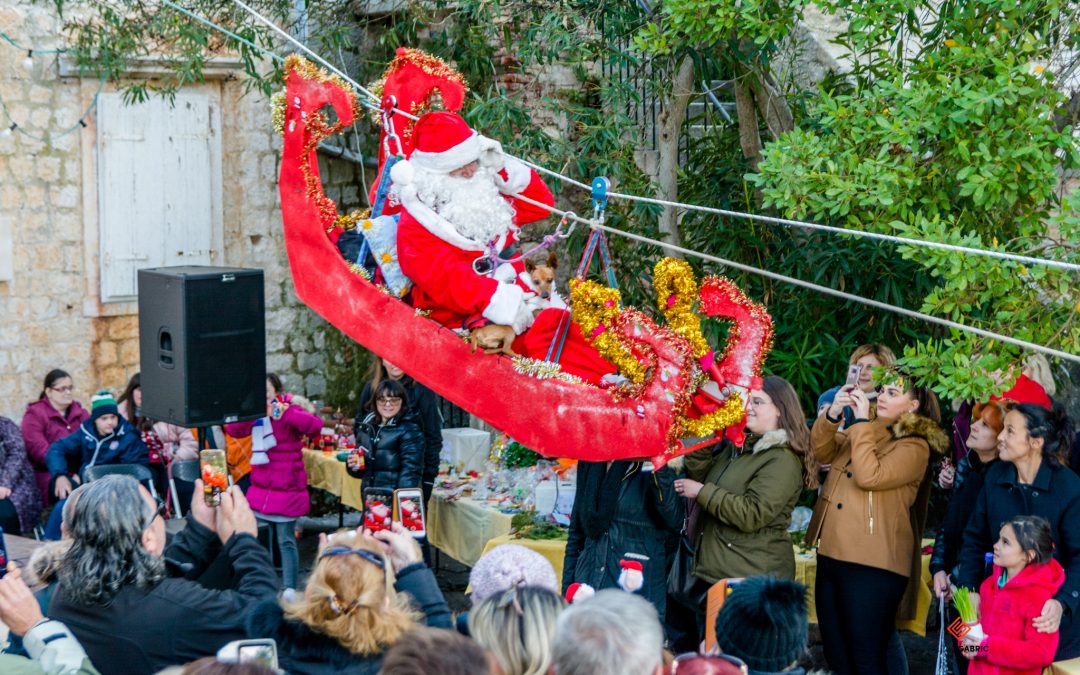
(1025, 577)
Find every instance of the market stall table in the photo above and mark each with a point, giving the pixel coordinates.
(552, 549)
(326, 472)
(461, 528)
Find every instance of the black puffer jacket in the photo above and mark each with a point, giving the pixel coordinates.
(423, 410)
(393, 453)
(623, 512)
(304, 651)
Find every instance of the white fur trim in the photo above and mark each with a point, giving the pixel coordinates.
(450, 159)
(505, 273)
(518, 177)
(771, 439)
(439, 226)
(402, 173)
(504, 305)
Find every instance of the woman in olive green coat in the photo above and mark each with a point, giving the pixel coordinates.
(746, 495)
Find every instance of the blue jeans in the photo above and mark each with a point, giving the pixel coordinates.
(284, 535)
(52, 527)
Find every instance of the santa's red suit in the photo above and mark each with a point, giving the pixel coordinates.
(442, 263)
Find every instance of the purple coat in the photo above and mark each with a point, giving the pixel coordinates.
(43, 425)
(16, 474)
(279, 487)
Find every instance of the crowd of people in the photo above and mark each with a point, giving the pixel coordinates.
(120, 596)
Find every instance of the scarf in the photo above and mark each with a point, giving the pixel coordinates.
(601, 486)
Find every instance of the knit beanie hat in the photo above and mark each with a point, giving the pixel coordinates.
(103, 403)
(507, 566)
(764, 622)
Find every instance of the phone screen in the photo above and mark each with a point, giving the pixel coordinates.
(264, 655)
(853, 375)
(378, 510)
(3, 554)
(215, 475)
(410, 511)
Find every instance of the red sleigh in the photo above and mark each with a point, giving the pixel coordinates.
(555, 417)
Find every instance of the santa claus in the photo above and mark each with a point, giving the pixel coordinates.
(458, 242)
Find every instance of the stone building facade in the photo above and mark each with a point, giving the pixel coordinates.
(58, 307)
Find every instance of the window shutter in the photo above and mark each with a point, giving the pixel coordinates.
(156, 196)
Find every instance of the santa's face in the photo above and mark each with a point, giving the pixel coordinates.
(472, 204)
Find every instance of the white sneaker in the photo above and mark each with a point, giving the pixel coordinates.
(290, 595)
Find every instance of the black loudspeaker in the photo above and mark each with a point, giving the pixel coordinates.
(202, 342)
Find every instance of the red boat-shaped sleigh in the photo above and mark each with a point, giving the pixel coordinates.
(528, 399)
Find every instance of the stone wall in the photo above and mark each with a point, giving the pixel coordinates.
(50, 315)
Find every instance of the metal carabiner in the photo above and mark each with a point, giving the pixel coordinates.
(391, 138)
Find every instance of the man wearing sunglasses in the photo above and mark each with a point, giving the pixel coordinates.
(115, 593)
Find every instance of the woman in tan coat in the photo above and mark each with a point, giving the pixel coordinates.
(869, 516)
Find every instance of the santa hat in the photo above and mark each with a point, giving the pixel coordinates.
(632, 577)
(1026, 390)
(442, 142)
(576, 592)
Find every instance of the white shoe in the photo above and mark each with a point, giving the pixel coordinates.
(290, 595)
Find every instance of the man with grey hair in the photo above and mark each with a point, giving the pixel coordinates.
(118, 599)
(611, 633)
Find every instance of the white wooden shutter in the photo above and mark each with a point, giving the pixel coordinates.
(158, 186)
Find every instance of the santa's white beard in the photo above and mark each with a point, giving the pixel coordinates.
(474, 206)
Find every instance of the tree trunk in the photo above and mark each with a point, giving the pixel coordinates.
(749, 134)
(771, 103)
(670, 122)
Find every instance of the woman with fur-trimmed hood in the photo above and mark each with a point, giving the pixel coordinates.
(869, 518)
(746, 495)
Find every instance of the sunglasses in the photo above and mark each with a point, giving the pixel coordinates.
(389, 399)
(709, 664)
(371, 557)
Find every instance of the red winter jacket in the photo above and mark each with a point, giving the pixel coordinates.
(43, 425)
(1012, 645)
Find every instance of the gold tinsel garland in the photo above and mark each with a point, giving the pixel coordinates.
(431, 65)
(676, 290)
(543, 370)
(277, 111)
(595, 310)
(726, 415)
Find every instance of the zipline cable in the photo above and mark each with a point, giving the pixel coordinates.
(806, 284)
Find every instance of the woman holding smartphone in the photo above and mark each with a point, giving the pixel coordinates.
(391, 444)
(278, 493)
(869, 518)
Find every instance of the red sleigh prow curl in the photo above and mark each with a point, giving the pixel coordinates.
(749, 341)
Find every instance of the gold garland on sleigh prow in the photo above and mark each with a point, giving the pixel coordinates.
(595, 309)
(723, 417)
(676, 290)
(318, 127)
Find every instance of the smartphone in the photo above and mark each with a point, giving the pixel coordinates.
(854, 372)
(3, 554)
(262, 652)
(409, 511)
(378, 509)
(215, 475)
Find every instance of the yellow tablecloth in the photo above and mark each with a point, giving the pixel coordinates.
(327, 473)
(1070, 667)
(461, 528)
(806, 574)
(552, 549)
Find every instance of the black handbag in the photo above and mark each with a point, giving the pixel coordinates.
(683, 586)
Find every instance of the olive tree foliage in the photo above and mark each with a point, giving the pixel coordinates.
(949, 128)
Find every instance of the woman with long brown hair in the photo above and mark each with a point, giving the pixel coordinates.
(746, 495)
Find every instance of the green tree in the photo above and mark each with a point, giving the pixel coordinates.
(955, 135)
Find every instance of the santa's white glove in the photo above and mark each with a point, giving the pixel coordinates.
(509, 307)
(518, 177)
(491, 154)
